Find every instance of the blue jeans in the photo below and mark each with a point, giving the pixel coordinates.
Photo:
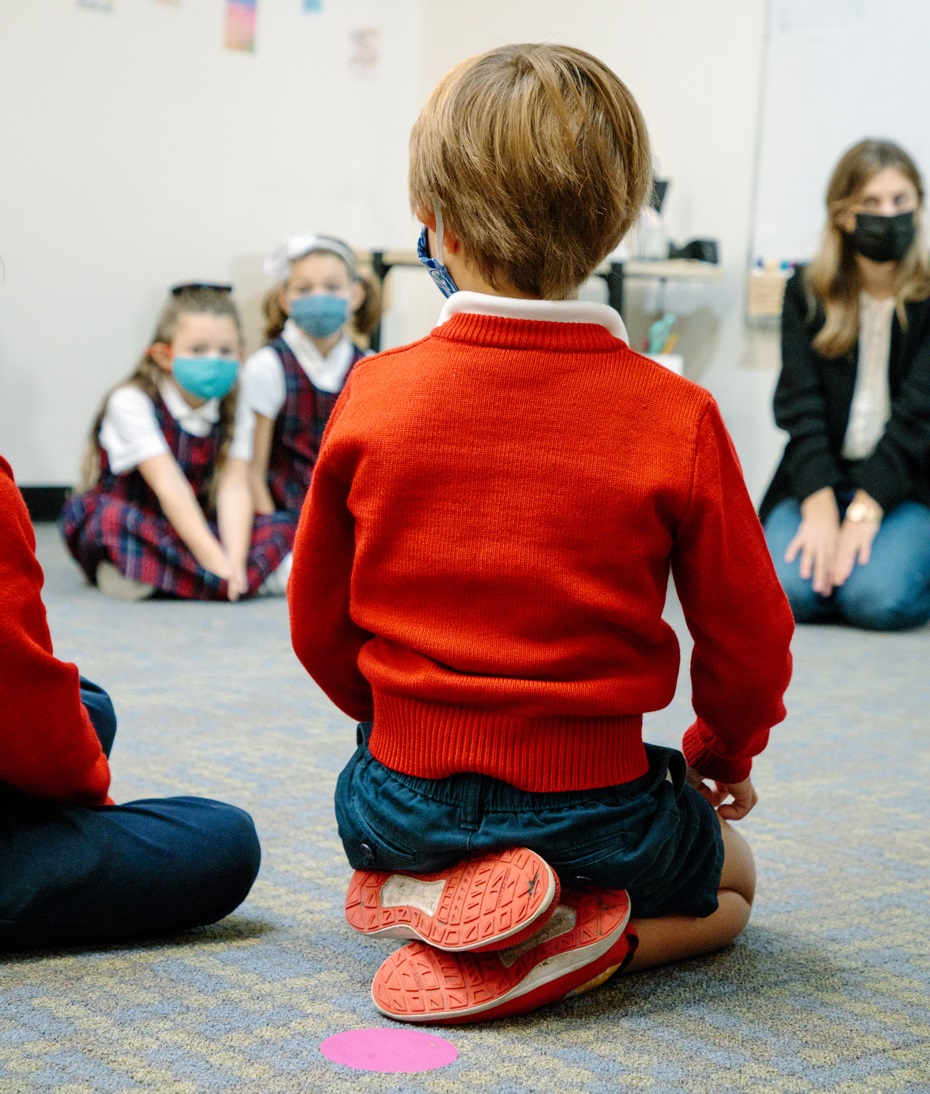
(74, 875)
(890, 593)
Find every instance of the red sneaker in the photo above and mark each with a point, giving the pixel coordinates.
(479, 904)
(586, 937)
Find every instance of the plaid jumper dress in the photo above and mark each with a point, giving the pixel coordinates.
(298, 430)
(120, 521)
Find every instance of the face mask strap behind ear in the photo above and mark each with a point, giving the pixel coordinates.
(437, 271)
(440, 232)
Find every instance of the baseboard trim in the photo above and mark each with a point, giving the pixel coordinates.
(44, 502)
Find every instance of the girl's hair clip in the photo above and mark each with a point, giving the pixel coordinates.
(193, 286)
(301, 244)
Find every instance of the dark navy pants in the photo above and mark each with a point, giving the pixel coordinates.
(72, 875)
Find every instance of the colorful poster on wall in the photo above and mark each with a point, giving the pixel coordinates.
(240, 25)
(311, 6)
(100, 5)
(365, 50)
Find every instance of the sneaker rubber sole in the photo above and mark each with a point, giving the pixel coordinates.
(483, 903)
(586, 938)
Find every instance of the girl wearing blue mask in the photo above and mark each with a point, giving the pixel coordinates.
(165, 505)
(293, 382)
(847, 515)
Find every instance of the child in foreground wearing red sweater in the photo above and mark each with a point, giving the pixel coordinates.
(78, 870)
(480, 573)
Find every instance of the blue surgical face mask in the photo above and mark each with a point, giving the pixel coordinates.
(319, 315)
(437, 270)
(205, 377)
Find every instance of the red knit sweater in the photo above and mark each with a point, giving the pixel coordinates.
(482, 563)
(48, 747)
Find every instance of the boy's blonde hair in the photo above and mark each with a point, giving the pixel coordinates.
(538, 158)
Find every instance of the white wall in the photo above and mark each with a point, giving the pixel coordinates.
(832, 47)
(138, 152)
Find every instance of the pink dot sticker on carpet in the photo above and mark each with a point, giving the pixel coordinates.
(389, 1050)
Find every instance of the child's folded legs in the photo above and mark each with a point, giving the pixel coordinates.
(478, 904)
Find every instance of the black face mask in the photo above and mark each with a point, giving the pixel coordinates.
(883, 239)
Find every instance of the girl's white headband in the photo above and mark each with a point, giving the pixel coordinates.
(278, 263)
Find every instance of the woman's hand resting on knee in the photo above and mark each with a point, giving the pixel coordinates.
(743, 794)
(854, 545)
(817, 541)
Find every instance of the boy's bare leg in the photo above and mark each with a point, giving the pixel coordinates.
(675, 937)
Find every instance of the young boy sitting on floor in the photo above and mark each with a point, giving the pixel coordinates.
(481, 569)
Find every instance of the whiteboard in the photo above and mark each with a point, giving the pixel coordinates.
(836, 71)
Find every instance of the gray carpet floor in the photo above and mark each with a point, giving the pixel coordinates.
(827, 990)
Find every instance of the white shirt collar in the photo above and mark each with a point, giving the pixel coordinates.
(327, 373)
(198, 420)
(549, 311)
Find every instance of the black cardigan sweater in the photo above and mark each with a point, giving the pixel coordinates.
(812, 404)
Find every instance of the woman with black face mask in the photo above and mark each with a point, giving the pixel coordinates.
(847, 516)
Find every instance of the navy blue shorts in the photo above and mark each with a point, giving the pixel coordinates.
(656, 837)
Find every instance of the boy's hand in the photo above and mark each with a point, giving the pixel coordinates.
(743, 794)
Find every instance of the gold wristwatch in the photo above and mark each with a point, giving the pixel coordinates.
(861, 511)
